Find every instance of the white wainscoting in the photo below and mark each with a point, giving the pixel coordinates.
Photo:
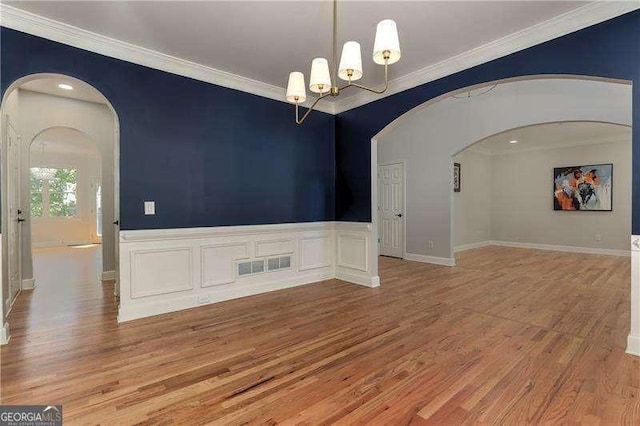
(356, 253)
(168, 270)
(633, 340)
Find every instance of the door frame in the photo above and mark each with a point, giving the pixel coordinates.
(15, 85)
(7, 195)
(404, 203)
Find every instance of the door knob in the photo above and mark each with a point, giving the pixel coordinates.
(399, 215)
(116, 222)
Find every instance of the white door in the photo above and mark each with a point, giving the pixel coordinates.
(15, 214)
(391, 209)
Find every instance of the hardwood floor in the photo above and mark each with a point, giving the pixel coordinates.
(509, 336)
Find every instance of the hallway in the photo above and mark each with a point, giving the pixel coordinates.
(68, 297)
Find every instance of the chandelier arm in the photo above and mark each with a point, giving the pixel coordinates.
(379, 92)
(335, 41)
(300, 121)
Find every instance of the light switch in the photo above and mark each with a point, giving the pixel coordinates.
(149, 207)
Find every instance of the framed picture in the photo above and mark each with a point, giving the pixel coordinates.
(457, 177)
(583, 188)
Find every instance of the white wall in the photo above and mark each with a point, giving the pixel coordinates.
(472, 205)
(59, 231)
(523, 205)
(39, 112)
(429, 136)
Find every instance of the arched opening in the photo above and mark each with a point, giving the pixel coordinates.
(49, 123)
(425, 140)
(518, 189)
(428, 136)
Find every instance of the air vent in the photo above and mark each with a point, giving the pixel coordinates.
(276, 263)
(273, 264)
(257, 266)
(244, 268)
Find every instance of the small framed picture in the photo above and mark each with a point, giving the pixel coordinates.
(457, 177)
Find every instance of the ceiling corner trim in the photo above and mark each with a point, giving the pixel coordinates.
(582, 17)
(30, 23)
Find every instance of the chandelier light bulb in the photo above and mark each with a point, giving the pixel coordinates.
(386, 42)
(320, 80)
(296, 92)
(350, 62)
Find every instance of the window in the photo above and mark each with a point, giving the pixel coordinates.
(36, 196)
(53, 192)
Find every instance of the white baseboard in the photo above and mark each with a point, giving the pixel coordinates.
(444, 261)
(28, 284)
(570, 249)
(470, 246)
(5, 336)
(108, 275)
(633, 345)
(150, 308)
(360, 279)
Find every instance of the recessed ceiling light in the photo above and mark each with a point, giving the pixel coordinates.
(514, 141)
(65, 86)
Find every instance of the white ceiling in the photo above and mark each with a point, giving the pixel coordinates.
(553, 135)
(265, 40)
(61, 140)
(81, 90)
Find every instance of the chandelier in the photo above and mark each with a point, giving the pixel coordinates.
(386, 51)
(43, 173)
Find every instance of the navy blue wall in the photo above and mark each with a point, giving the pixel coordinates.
(610, 49)
(206, 154)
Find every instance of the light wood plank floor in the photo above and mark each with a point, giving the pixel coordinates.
(509, 336)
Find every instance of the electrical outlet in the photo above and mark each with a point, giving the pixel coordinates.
(204, 299)
(431, 245)
(149, 207)
(598, 237)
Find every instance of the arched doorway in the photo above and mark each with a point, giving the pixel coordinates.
(506, 197)
(32, 105)
(448, 124)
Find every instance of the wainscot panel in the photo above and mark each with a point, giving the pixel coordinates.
(173, 269)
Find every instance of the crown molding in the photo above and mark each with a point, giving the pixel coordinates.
(561, 144)
(30, 23)
(577, 19)
(585, 16)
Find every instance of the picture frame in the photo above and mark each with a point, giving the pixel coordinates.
(457, 177)
(583, 188)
